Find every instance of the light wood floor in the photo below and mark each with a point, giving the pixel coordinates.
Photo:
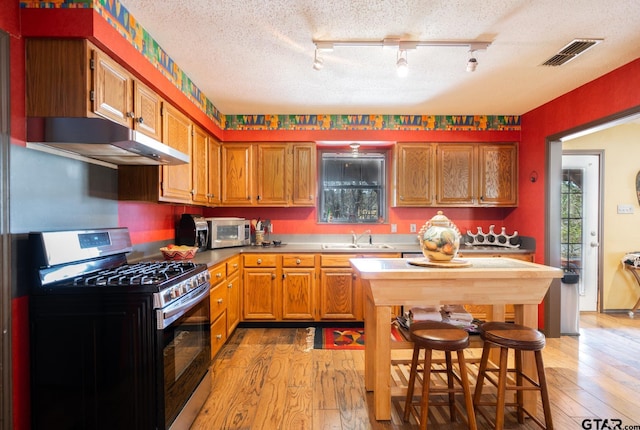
(268, 378)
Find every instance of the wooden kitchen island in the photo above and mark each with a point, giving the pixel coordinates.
(391, 282)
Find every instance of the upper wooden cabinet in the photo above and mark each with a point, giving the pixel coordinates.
(456, 174)
(414, 174)
(205, 168)
(268, 174)
(176, 181)
(72, 78)
(237, 166)
(498, 175)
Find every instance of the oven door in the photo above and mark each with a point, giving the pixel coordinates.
(185, 351)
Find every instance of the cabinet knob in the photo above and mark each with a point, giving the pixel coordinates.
(235, 266)
(130, 115)
(259, 261)
(218, 336)
(219, 301)
(298, 261)
(230, 285)
(218, 275)
(273, 276)
(140, 120)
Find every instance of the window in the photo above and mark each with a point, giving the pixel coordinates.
(571, 215)
(352, 188)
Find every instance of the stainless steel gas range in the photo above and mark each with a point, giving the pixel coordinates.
(115, 345)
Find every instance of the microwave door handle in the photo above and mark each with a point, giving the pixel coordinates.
(172, 313)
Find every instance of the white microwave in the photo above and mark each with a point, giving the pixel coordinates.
(228, 232)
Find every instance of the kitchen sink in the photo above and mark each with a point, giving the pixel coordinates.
(356, 246)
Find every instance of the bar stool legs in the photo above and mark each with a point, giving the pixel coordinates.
(430, 336)
(519, 338)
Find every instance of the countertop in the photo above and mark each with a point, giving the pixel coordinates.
(213, 257)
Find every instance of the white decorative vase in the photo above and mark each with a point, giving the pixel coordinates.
(439, 238)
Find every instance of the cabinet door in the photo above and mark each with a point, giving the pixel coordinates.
(303, 192)
(112, 90)
(338, 294)
(260, 288)
(272, 178)
(456, 175)
(298, 286)
(199, 166)
(498, 175)
(414, 175)
(176, 180)
(147, 111)
(236, 164)
(233, 302)
(214, 173)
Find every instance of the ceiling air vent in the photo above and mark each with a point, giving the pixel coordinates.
(571, 51)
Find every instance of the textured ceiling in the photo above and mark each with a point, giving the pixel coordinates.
(256, 56)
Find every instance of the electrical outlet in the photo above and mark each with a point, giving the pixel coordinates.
(394, 228)
(625, 209)
(271, 228)
(412, 228)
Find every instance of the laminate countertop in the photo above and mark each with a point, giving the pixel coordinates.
(213, 257)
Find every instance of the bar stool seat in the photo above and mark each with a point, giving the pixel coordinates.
(438, 336)
(519, 338)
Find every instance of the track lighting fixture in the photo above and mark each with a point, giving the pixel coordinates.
(402, 46)
(318, 62)
(472, 63)
(402, 64)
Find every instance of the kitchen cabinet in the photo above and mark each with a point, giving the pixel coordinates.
(476, 174)
(176, 181)
(218, 298)
(260, 286)
(414, 167)
(498, 174)
(268, 174)
(72, 78)
(340, 289)
(456, 174)
(205, 168)
(298, 287)
(233, 293)
(213, 173)
(237, 166)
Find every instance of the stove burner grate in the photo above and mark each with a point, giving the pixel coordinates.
(148, 273)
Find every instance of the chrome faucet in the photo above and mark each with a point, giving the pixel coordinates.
(355, 238)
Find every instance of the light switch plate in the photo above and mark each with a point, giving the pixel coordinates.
(394, 228)
(625, 209)
(412, 228)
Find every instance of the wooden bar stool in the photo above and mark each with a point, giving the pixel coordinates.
(519, 338)
(439, 336)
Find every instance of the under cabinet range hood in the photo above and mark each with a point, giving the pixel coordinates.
(100, 139)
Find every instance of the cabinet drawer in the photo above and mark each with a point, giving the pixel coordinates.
(233, 264)
(302, 260)
(260, 260)
(336, 260)
(218, 299)
(218, 334)
(218, 273)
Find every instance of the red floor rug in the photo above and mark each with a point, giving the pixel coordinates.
(345, 338)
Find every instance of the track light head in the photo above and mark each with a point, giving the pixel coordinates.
(472, 64)
(402, 65)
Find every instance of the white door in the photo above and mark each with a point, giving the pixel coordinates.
(583, 171)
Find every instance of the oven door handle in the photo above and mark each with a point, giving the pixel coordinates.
(173, 312)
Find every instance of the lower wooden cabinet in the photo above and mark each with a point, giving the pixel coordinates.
(298, 287)
(260, 283)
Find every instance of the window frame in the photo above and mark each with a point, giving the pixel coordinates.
(383, 187)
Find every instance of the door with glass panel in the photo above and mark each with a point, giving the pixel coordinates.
(580, 236)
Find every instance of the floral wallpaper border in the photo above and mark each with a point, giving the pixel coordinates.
(119, 17)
